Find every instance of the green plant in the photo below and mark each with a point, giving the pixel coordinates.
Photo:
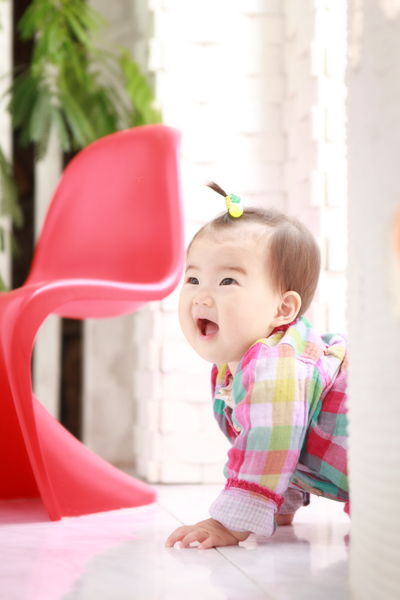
(74, 84)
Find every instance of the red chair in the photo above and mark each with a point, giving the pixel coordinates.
(112, 241)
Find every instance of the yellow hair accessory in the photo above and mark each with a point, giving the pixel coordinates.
(234, 205)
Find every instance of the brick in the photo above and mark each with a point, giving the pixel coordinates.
(337, 253)
(192, 448)
(307, 162)
(322, 293)
(147, 355)
(256, 178)
(195, 6)
(208, 85)
(152, 446)
(307, 97)
(235, 145)
(291, 9)
(180, 356)
(194, 25)
(336, 123)
(152, 471)
(184, 386)
(305, 31)
(214, 473)
(323, 247)
(171, 329)
(319, 188)
(146, 385)
(170, 303)
(264, 200)
(289, 179)
(331, 91)
(268, 90)
(299, 138)
(319, 317)
(318, 120)
(337, 187)
(337, 284)
(196, 86)
(179, 472)
(331, 156)
(336, 59)
(258, 147)
(145, 325)
(137, 440)
(257, 7)
(318, 58)
(156, 55)
(254, 58)
(181, 416)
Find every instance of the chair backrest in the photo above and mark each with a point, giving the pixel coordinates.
(116, 214)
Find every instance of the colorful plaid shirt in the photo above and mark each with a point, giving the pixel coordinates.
(286, 421)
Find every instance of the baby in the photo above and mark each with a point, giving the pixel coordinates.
(279, 389)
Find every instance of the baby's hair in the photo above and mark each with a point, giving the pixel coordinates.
(214, 186)
(294, 257)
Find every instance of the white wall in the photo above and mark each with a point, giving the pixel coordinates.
(373, 81)
(256, 87)
(314, 124)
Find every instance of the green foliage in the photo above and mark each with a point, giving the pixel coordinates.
(64, 87)
(71, 86)
(139, 92)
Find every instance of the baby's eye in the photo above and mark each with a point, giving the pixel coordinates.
(193, 280)
(228, 281)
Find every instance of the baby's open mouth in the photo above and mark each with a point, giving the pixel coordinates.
(207, 327)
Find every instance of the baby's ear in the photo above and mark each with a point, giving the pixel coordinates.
(288, 309)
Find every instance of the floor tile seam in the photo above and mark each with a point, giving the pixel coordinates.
(235, 566)
(269, 596)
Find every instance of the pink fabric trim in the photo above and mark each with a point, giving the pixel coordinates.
(257, 489)
(347, 508)
(285, 327)
(227, 375)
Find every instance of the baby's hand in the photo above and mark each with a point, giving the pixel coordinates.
(209, 533)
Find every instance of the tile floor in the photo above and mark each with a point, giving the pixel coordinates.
(121, 556)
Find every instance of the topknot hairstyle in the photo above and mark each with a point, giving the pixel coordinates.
(294, 258)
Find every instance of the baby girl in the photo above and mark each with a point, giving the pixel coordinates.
(279, 389)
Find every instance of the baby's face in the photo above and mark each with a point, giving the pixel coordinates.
(227, 301)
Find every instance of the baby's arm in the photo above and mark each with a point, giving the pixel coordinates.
(209, 533)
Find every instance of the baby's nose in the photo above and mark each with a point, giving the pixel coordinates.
(203, 298)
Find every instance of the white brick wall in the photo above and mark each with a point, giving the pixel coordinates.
(314, 123)
(253, 87)
(219, 79)
(5, 123)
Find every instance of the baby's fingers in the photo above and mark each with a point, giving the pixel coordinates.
(177, 536)
(194, 536)
(210, 542)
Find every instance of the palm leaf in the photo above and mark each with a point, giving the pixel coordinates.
(58, 122)
(81, 129)
(40, 115)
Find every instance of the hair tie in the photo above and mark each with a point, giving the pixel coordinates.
(234, 205)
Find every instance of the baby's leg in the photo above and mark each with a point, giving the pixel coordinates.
(284, 519)
(294, 499)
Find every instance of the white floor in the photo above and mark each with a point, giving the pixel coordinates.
(120, 555)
